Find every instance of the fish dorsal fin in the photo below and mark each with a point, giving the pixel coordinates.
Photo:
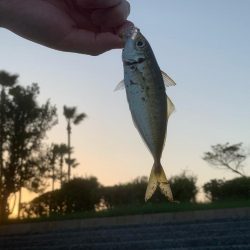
(120, 85)
(168, 81)
(170, 107)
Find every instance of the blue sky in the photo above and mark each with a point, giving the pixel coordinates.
(202, 45)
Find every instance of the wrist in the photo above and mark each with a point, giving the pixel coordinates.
(4, 12)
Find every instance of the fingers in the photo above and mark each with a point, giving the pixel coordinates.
(124, 31)
(107, 16)
(86, 42)
(97, 4)
(111, 17)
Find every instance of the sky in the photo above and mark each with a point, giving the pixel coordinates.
(202, 45)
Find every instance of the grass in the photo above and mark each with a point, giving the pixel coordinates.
(147, 208)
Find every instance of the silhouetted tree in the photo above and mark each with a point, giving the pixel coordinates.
(71, 115)
(77, 195)
(226, 156)
(124, 194)
(61, 150)
(184, 187)
(6, 81)
(52, 157)
(81, 194)
(71, 162)
(235, 189)
(213, 190)
(25, 126)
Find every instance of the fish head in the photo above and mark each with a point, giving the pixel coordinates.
(136, 47)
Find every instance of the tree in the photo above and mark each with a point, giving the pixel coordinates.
(235, 189)
(226, 156)
(52, 157)
(61, 150)
(71, 115)
(77, 195)
(25, 125)
(184, 187)
(81, 194)
(124, 194)
(213, 189)
(6, 81)
(72, 162)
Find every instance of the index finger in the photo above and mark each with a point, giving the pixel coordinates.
(111, 17)
(97, 4)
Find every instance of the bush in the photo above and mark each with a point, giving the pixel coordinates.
(213, 189)
(184, 187)
(235, 189)
(75, 196)
(80, 195)
(124, 194)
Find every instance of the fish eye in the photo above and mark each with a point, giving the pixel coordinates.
(132, 67)
(140, 44)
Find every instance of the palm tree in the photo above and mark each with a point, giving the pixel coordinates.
(72, 162)
(61, 150)
(52, 161)
(6, 81)
(71, 115)
(52, 156)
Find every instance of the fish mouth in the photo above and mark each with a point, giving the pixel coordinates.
(133, 62)
(128, 32)
(135, 31)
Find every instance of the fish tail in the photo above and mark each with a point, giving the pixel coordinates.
(158, 178)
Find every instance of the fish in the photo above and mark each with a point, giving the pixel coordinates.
(149, 104)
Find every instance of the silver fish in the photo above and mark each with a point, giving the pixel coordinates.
(149, 105)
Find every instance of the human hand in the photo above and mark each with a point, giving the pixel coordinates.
(81, 26)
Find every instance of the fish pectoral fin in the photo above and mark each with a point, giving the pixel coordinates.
(158, 178)
(170, 107)
(168, 81)
(120, 85)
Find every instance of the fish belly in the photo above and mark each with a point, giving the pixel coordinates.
(147, 104)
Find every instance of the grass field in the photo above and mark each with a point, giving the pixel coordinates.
(146, 208)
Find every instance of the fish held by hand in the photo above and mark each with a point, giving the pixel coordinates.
(149, 105)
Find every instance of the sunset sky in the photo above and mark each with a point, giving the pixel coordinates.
(203, 45)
